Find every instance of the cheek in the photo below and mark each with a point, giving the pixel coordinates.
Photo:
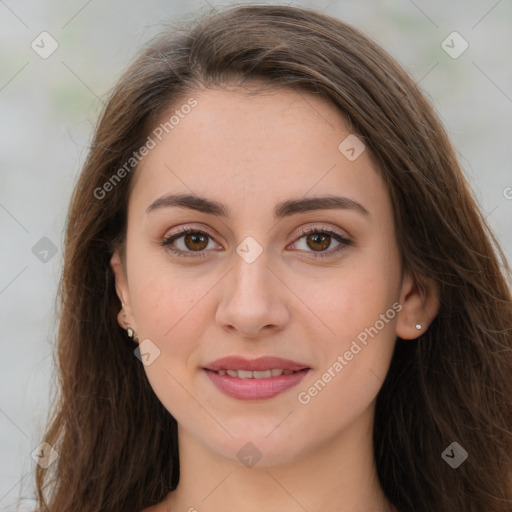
(360, 308)
(353, 371)
(169, 310)
(352, 296)
(166, 298)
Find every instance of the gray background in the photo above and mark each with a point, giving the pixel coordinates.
(49, 107)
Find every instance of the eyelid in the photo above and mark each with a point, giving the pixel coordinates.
(313, 228)
(342, 239)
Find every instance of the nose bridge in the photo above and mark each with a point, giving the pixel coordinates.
(251, 274)
(252, 299)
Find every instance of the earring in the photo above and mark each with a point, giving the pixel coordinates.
(131, 333)
(419, 326)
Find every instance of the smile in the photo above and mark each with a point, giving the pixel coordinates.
(263, 374)
(255, 379)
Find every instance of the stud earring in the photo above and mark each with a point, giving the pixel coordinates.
(419, 326)
(131, 333)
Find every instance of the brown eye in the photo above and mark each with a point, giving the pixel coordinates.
(318, 241)
(196, 241)
(187, 242)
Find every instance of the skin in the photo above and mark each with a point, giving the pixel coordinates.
(251, 152)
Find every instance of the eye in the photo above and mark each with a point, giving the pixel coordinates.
(195, 242)
(319, 239)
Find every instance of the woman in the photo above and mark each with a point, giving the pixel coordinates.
(278, 291)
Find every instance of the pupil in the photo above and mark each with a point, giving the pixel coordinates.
(194, 238)
(316, 240)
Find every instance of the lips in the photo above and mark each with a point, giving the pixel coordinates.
(255, 379)
(262, 374)
(259, 364)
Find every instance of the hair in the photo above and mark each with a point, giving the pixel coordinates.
(118, 444)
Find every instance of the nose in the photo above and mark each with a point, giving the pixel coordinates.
(254, 299)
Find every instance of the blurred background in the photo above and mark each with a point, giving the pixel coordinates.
(58, 62)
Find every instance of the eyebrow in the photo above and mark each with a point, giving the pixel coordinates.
(281, 210)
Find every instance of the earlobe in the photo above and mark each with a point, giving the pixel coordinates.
(420, 305)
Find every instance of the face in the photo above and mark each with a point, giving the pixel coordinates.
(304, 297)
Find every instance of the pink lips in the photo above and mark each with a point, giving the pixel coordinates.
(255, 388)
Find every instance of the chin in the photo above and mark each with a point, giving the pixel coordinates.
(252, 447)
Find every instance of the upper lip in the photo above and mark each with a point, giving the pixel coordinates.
(258, 364)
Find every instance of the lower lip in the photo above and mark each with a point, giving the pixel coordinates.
(255, 389)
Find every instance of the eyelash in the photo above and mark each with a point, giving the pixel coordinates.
(166, 242)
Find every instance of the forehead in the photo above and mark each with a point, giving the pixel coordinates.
(253, 122)
(234, 144)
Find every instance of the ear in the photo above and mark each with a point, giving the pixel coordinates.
(125, 315)
(420, 305)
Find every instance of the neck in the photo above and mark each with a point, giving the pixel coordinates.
(337, 476)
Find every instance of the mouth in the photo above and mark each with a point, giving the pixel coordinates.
(255, 379)
(262, 374)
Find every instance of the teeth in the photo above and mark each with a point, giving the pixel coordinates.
(263, 374)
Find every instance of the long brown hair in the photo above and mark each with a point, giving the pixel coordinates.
(118, 444)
